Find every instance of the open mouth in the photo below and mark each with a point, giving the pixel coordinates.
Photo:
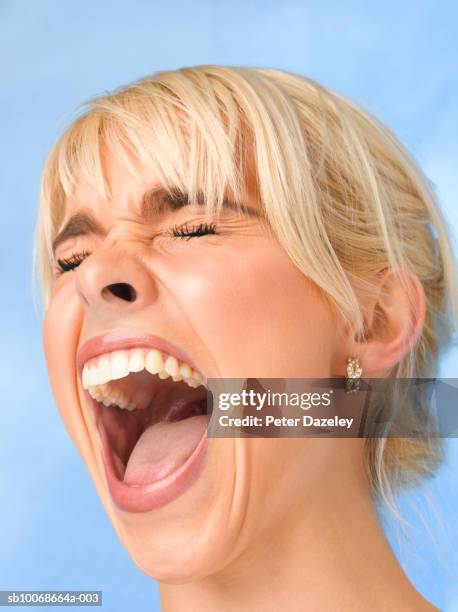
(151, 410)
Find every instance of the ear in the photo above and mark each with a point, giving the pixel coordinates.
(394, 314)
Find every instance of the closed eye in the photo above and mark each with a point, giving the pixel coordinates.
(184, 231)
(193, 231)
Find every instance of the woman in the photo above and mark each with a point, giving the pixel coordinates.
(217, 222)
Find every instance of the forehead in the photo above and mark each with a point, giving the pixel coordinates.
(123, 195)
(104, 159)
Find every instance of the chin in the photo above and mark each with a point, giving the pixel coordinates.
(188, 538)
(175, 559)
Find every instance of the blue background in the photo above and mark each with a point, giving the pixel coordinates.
(398, 59)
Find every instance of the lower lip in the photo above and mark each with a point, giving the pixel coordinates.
(142, 498)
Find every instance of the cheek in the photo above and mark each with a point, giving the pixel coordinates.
(60, 336)
(258, 314)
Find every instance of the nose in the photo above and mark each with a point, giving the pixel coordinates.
(113, 280)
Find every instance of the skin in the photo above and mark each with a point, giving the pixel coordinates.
(270, 523)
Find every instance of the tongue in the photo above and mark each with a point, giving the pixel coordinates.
(162, 448)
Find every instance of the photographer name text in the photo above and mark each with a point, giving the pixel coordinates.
(272, 421)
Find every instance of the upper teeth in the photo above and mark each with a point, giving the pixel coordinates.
(101, 370)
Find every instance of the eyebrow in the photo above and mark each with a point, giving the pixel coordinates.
(153, 202)
(80, 224)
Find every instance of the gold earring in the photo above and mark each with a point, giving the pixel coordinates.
(354, 373)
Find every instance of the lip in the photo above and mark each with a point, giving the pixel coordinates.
(126, 339)
(143, 498)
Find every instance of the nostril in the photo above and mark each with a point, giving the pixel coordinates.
(123, 291)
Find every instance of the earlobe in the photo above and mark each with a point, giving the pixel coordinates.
(394, 321)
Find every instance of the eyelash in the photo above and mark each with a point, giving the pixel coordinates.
(183, 231)
(65, 265)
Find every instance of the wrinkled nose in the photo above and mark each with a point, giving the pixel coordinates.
(114, 280)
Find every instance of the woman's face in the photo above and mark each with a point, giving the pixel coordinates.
(228, 303)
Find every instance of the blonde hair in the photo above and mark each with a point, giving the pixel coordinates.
(339, 191)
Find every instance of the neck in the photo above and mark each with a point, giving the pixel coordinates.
(332, 554)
